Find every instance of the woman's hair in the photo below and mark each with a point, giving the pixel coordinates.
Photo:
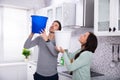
(60, 27)
(90, 45)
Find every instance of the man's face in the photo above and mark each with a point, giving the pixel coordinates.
(54, 27)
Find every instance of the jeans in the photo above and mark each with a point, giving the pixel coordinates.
(40, 77)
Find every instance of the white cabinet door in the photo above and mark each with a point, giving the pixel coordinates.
(65, 13)
(22, 72)
(50, 15)
(114, 15)
(102, 14)
(63, 77)
(31, 70)
(9, 71)
(119, 17)
(106, 19)
(41, 12)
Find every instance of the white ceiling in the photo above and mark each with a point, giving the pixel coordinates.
(26, 4)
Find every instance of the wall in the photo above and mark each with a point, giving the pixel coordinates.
(103, 56)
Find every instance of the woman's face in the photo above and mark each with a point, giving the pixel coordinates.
(83, 38)
(54, 27)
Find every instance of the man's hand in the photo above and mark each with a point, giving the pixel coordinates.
(44, 35)
(31, 35)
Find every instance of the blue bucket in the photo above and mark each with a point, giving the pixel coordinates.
(38, 23)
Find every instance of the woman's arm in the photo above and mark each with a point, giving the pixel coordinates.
(81, 61)
(72, 55)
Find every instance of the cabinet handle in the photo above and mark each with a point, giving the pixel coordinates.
(110, 29)
(30, 66)
(114, 29)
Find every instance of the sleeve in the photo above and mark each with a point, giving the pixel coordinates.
(30, 43)
(52, 49)
(72, 55)
(81, 61)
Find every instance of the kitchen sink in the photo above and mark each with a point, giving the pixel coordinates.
(93, 74)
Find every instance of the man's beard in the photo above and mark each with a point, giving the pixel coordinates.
(51, 32)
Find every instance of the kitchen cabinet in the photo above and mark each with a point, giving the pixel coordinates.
(13, 71)
(63, 77)
(85, 13)
(107, 17)
(41, 12)
(64, 12)
(31, 68)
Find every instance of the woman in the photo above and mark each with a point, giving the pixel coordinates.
(47, 55)
(79, 62)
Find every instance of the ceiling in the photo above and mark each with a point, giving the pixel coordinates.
(26, 4)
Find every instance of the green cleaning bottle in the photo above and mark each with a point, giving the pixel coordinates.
(62, 61)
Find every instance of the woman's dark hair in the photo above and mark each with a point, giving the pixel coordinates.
(60, 27)
(90, 45)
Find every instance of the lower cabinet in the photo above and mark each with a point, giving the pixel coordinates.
(31, 68)
(13, 71)
(63, 77)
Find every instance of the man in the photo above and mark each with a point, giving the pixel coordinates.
(47, 56)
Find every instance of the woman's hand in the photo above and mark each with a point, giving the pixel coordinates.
(60, 49)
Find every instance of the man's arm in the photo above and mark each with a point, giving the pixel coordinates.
(30, 43)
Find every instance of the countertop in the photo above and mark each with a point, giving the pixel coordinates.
(94, 75)
(12, 63)
(61, 69)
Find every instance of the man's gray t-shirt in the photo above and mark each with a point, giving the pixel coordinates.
(47, 55)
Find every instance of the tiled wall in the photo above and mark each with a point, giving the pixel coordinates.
(103, 56)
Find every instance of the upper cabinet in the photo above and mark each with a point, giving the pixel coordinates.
(107, 17)
(119, 17)
(41, 12)
(85, 13)
(65, 13)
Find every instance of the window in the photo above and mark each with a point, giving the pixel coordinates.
(15, 32)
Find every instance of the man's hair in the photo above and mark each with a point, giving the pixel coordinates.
(60, 27)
